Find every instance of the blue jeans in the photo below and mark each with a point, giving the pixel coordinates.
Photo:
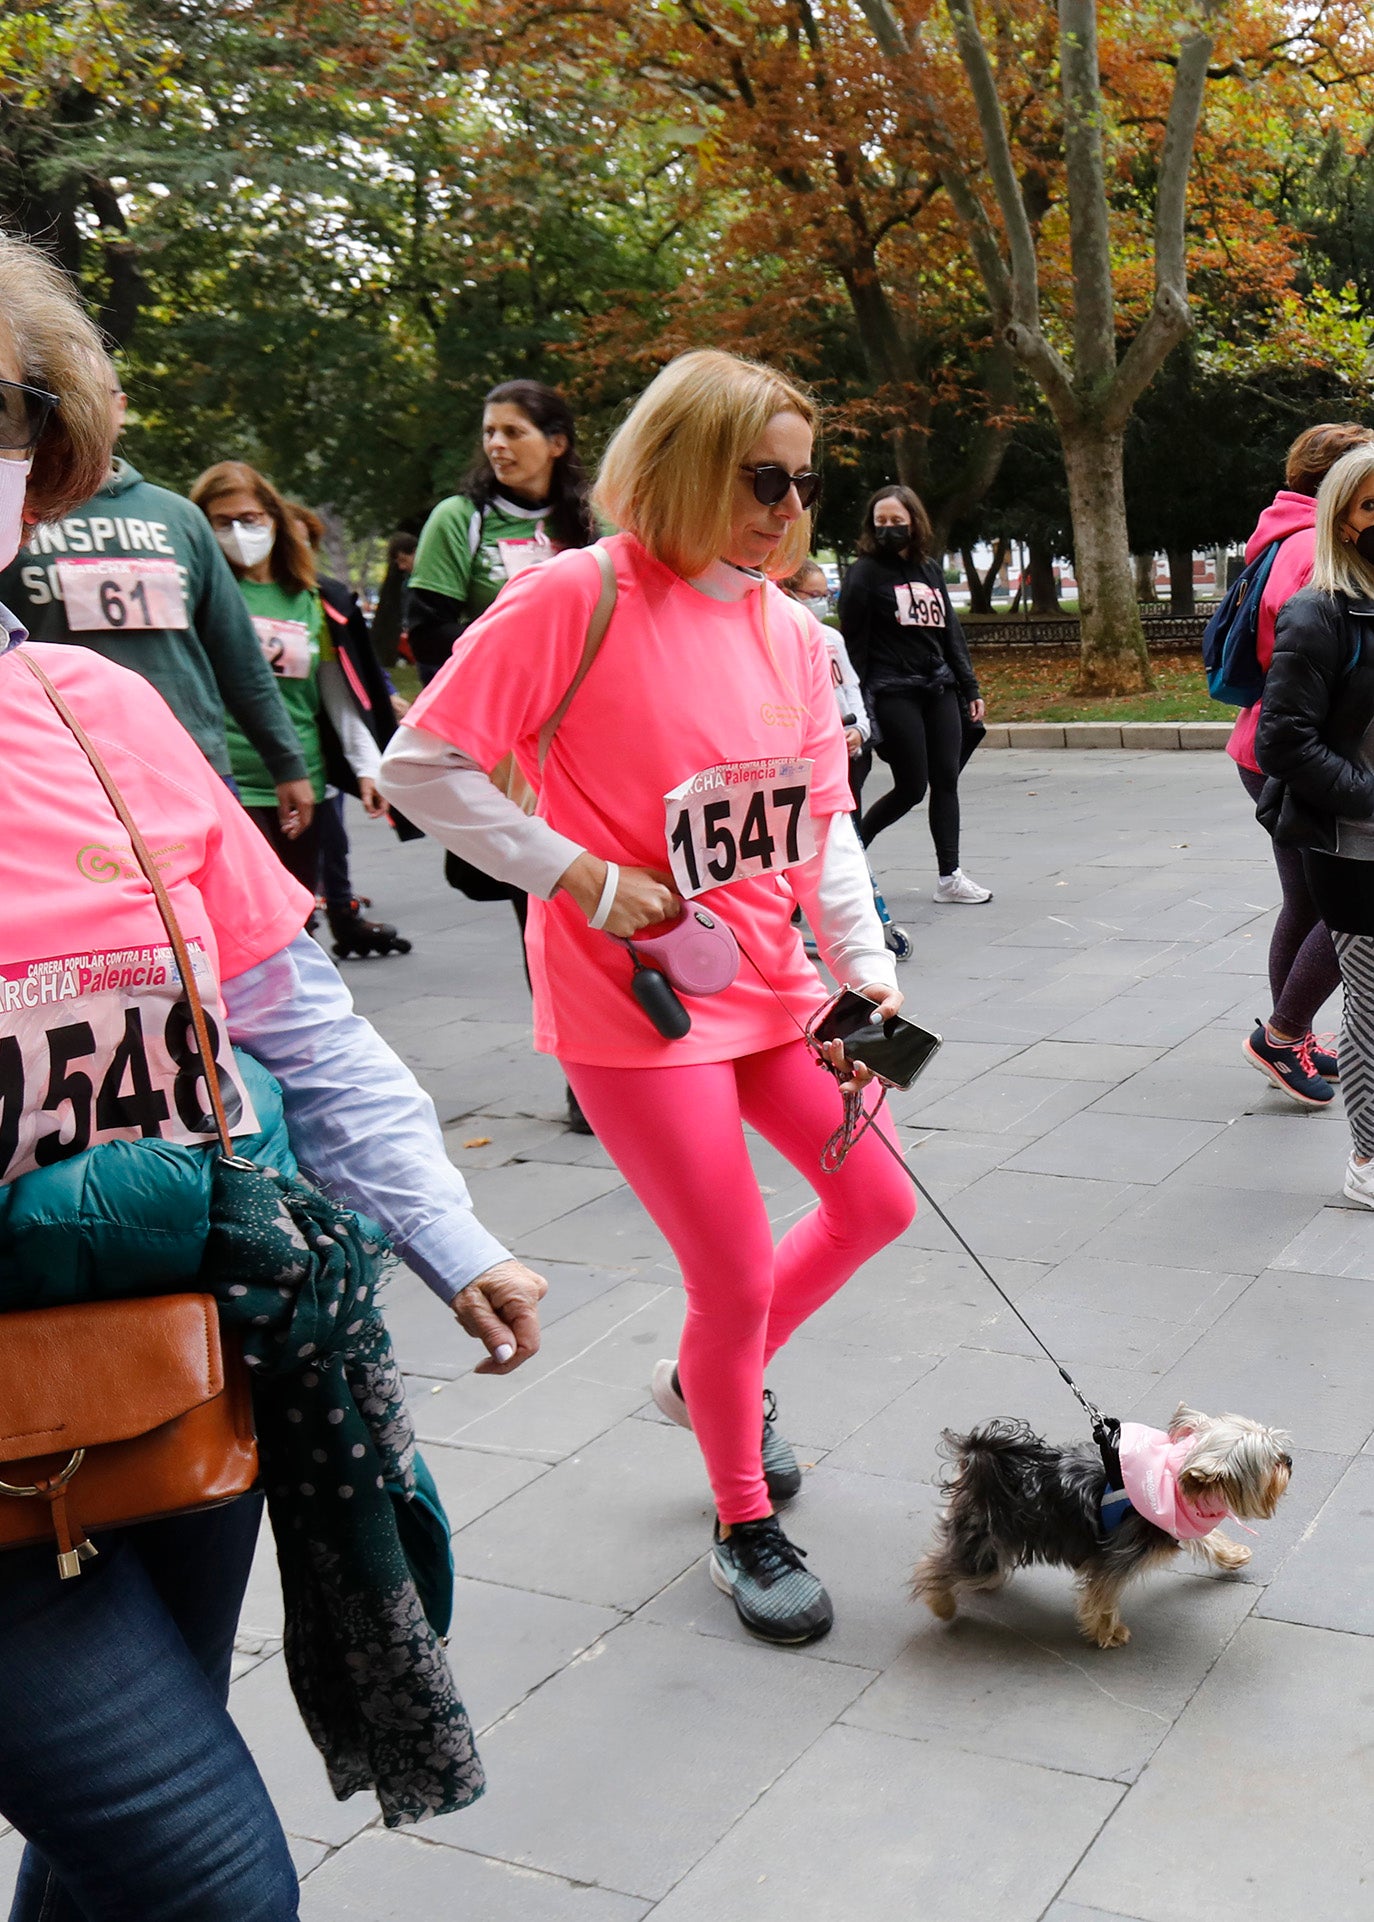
(118, 1760)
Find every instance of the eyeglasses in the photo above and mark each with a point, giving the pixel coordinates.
(771, 483)
(24, 413)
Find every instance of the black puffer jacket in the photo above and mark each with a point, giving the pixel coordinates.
(1318, 704)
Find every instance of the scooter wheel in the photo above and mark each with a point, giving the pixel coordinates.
(899, 942)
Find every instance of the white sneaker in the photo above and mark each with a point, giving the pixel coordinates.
(1359, 1182)
(667, 1395)
(957, 887)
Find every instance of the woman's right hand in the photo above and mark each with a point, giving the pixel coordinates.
(643, 896)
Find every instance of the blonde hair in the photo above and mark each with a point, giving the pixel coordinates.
(58, 348)
(668, 476)
(1337, 566)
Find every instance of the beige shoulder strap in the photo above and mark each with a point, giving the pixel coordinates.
(596, 634)
(506, 774)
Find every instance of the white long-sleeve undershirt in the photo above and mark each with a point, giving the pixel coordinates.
(355, 737)
(444, 791)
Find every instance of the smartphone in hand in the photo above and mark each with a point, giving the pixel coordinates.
(895, 1050)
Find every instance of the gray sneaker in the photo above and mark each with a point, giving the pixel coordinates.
(781, 1470)
(775, 1594)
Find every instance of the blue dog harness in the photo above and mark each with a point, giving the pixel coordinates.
(1116, 1503)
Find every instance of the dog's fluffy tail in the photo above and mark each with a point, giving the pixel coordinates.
(987, 1459)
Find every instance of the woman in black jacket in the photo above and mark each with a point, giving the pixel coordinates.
(1316, 743)
(908, 649)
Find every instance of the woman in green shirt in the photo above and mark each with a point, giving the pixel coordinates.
(525, 498)
(276, 574)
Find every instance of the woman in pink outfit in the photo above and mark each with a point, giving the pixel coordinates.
(701, 756)
(1303, 971)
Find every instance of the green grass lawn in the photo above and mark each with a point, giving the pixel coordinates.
(1037, 684)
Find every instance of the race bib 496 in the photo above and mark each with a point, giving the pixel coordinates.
(739, 820)
(100, 1047)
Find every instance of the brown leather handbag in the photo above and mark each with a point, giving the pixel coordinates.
(116, 1412)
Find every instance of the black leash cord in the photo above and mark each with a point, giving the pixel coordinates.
(850, 1131)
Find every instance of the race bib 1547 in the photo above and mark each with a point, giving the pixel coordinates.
(739, 820)
(119, 595)
(100, 1047)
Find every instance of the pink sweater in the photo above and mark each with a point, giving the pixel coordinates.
(1292, 519)
(1150, 1468)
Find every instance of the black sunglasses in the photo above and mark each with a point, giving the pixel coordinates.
(771, 483)
(24, 413)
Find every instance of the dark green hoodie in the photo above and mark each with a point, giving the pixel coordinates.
(211, 664)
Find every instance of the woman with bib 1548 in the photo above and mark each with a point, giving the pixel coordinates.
(731, 785)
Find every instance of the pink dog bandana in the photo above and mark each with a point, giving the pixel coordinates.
(1150, 1466)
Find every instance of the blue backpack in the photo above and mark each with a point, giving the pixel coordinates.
(1230, 639)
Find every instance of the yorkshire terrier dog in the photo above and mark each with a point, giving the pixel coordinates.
(1107, 1509)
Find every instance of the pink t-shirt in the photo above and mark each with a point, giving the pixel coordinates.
(683, 685)
(86, 984)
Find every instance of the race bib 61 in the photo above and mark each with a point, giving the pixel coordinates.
(121, 595)
(739, 820)
(100, 1047)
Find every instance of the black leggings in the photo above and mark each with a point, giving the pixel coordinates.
(1303, 970)
(921, 739)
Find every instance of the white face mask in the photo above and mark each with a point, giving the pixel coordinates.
(244, 545)
(819, 605)
(14, 485)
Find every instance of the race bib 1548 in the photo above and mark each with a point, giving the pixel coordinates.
(739, 820)
(119, 595)
(100, 1047)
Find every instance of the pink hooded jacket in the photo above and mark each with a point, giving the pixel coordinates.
(1292, 519)
(1150, 1468)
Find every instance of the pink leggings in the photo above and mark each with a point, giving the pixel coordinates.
(677, 1136)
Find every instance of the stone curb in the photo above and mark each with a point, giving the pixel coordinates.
(1137, 734)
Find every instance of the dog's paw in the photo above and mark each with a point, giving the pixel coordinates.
(1112, 1634)
(1231, 1555)
(940, 1603)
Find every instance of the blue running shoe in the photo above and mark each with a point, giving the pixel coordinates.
(1289, 1065)
(775, 1594)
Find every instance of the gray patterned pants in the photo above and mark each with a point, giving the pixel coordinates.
(1356, 955)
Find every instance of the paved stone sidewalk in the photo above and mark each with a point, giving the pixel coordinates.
(1174, 1230)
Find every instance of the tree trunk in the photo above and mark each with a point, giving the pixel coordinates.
(1145, 578)
(1112, 658)
(1044, 589)
(980, 587)
(1181, 580)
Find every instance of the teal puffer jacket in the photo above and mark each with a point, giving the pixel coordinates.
(125, 1218)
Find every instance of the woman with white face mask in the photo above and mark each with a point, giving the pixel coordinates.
(275, 569)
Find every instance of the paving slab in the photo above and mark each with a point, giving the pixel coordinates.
(1034, 1217)
(1180, 1226)
(398, 1878)
(1292, 1352)
(1328, 1580)
(867, 1825)
(266, 1713)
(506, 1641)
(611, 1525)
(1277, 1742)
(1012, 1675)
(643, 1713)
(1106, 1147)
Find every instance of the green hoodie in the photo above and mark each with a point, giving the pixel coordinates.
(212, 664)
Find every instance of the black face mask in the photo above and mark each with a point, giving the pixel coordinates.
(1364, 544)
(891, 540)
